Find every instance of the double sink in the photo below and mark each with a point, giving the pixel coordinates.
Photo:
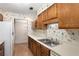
(49, 42)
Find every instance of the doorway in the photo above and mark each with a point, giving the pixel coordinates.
(21, 38)
(21, 31)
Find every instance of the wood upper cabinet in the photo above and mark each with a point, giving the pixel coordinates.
(65, 14)
(68, 15)
(52, 12)
(1, 17)
(44, 15)
(40, 24)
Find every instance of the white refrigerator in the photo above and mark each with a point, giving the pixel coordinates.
(7, 34)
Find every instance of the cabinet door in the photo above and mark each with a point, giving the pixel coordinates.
(68, 15)
(34, 47)
(38, 49)
(40, 24)
(45, 51)
(44, 15)
(51, 12)
(29, 42)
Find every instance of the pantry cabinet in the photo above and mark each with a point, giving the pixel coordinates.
(37, 49)
(68, 14)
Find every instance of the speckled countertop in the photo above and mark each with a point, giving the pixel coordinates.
(67, 49)
(64, 49)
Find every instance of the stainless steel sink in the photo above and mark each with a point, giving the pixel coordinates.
(49, 42)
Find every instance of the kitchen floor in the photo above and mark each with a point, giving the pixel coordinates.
(22, 50)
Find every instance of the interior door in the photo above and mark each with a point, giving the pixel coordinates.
(20, 31)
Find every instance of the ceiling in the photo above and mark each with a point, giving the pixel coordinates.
(22, 8)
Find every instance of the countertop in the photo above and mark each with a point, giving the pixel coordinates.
(67, 49)
(64, 49)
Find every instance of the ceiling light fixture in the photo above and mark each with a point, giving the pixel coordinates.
(31, 8)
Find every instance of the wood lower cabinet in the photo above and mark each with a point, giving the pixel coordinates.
(34, 46)
(44, 51)
(2, 49)
(37, 49)
(39, 22)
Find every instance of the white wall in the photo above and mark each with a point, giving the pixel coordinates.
(7, 15)
(30, 30)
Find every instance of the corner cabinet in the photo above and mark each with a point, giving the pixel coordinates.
(68, 14)
(37, 49)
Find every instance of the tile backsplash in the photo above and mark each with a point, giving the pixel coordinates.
(40, 33)
(67, 35)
